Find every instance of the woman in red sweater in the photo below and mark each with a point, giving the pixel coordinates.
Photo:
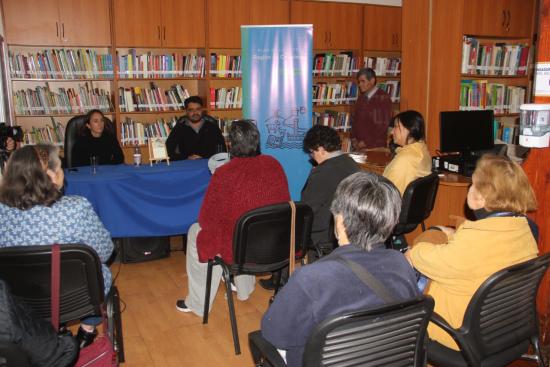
(250, 180)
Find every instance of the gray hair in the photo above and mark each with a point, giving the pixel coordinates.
(367, 72)
(370, 205)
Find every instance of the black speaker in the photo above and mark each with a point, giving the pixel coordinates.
(137, 249)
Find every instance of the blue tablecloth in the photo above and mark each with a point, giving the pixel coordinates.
(143, 201)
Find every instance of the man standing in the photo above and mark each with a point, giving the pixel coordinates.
(373, 111)
(195, 136)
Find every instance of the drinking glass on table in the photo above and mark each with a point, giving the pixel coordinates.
(93, 164)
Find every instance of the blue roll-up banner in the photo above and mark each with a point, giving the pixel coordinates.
(277, 91)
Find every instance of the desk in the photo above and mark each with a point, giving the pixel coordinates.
(143, 201)
(451, 193)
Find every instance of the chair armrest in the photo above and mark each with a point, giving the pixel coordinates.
(439, 321)
(261, 349)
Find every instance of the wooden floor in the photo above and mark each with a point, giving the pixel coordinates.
(156, 334)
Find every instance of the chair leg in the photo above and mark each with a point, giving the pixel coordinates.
(207, 292)
(538, 353)
(231, 307)
(423, 226)
(119, 341)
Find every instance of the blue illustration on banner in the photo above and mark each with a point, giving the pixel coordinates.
(285, 132)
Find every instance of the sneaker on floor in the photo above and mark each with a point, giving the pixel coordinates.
(181, 306)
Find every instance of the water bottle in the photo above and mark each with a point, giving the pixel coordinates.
(137, 156)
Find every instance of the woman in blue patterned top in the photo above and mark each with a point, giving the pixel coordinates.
(34, 212)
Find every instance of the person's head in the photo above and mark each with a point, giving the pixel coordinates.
(33, 176)
(408, 128)
(321, 140)
(366, 80)
(366, 207)
(95, 122)
(194, 108)
(498, 184)
(244, 139)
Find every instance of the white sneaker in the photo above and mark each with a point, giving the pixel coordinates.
(181, 306)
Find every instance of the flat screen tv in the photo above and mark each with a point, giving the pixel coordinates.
(466, 131)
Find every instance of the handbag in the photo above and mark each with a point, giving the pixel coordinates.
(101, 352)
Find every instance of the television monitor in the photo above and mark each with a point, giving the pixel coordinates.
(466, 131)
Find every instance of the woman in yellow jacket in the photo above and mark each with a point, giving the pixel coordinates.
(412, 159)
(500, 195)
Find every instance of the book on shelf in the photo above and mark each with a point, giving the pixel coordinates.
(133, 132)
(339, 65)
(152, 99)
(42, 100)
(507, 132)
(481, 95)
(494, 58)
(54, 134)
(393, 88)
(224, 124)
(61, 64)
(384, 66)
(226, 97)
(169, 65)
(225, 66)
(344, 92)
(340, 121)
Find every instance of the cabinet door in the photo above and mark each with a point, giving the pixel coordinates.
(345, 26)
(316, 13)
(485, 18)
(520, 13)
(382, 28)
(225, 18)
(31, 22)
(85, 23)
(269, 12)
(183, 23)
(137, 23)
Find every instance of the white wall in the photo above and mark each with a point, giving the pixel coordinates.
(377, 2)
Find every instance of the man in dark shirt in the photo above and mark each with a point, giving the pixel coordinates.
(195, 136)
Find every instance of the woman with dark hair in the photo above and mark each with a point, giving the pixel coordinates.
(248, 181)
(96, 141)
(34, 212)
(412, 159)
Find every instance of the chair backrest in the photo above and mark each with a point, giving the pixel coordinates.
(27, 270)
(418, 202)
(502, 313)
(392, 335)
(261, 240)
(73, 131)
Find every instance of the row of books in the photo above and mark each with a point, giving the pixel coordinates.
(334, 93)
(493, 58)
(224, 124)
(153, 98)
(54, 134)
(61, 64)
(149, 65)
(508, 133)
(384, 66)
(226, 97)
(480, 95)
(340, 121)
(225, 66)
(133, 132)
(42, 100)
(329, 64)
(393, 88)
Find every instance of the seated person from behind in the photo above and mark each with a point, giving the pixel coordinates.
(34, 212)
(366, 208)
(412, 159)
(500, 195)
(95, 140)
(195, 136)
(248, 181)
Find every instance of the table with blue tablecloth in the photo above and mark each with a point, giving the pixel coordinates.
(143, 201)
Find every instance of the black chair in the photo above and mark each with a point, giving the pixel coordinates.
(392, 335)
(260, 245)
(73, 131)
(500, 321)
(27, 269)
(418, 203)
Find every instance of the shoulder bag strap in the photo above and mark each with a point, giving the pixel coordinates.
(292, 255)
(55, 286)
(366, 277)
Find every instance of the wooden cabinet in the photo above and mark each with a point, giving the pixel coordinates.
(225, 18)
(57, 22)
(382, 28)
(269, 12)
(335, 25)
(168, 23)
(498, 18)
